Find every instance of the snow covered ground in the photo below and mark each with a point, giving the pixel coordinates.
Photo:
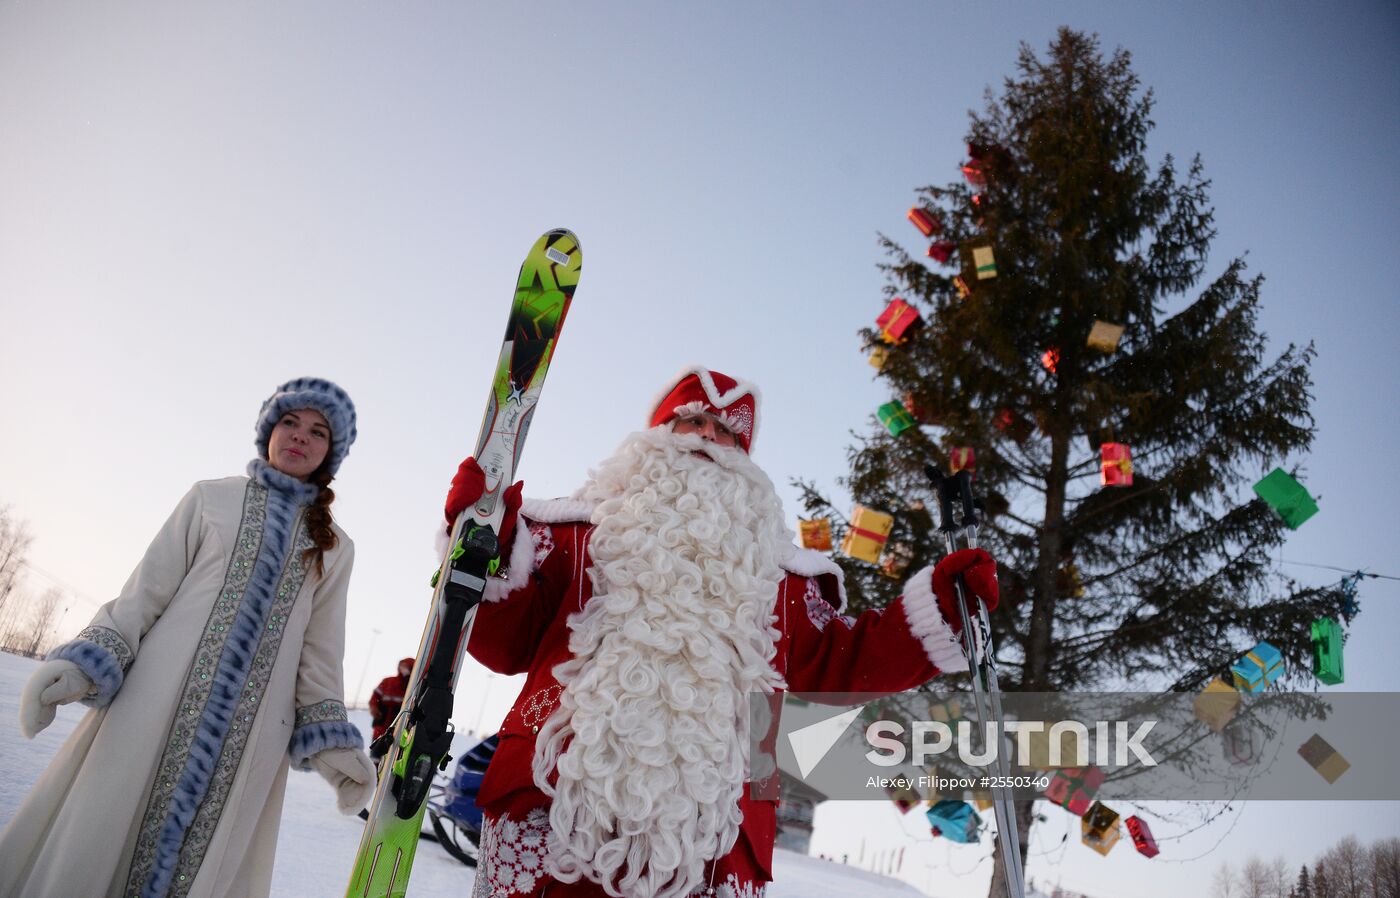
(317, 844)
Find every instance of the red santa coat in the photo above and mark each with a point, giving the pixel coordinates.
(522, 627)
(386, 702)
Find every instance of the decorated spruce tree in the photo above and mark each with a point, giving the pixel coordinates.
(1153, 570)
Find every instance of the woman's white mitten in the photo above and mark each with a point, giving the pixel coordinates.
(350, 773)
(54, 683)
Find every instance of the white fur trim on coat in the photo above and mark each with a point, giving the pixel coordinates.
(519, 568)
(926, 622)
(558, 511)
(811, 563)
(518, 571)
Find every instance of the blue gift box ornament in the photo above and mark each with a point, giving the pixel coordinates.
(1262, 666)
(956, 820)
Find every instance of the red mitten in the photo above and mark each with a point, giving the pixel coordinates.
(467, 486)
(979, 573)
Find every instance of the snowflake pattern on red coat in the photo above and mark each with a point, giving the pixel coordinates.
(544, 542)
(540, 705)
(512, 855)
(819, 610)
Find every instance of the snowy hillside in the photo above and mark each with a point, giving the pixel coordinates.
(317, 844)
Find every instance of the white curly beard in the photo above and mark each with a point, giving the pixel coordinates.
(651, 736)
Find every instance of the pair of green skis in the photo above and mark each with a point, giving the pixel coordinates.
(422, 733)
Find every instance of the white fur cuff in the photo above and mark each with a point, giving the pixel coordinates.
(518, 570)
(520, 566)
(926, 622)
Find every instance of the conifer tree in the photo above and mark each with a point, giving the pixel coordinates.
(1157, 586)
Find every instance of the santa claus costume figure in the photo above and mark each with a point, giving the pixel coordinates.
(645, 610)
(385, 703)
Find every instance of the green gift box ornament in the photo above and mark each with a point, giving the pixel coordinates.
(895, 417)
(1287, 497)
(1327, 650)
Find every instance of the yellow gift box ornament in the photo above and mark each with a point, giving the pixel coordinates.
(878, 356)
(947, 711)
(865, 537)
(815, 534)
(1099, 829)
(1324, 758)
(1217, 704)
(1040, 745)
(1104, 336)
(962, 458)
(984, 262)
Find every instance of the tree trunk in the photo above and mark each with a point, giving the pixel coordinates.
(1024, 818)
(1041, 629)
(1047, 569)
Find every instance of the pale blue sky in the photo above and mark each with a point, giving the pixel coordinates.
(198, 201)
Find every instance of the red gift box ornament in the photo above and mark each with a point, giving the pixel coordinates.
(927, 223)
(1142, 837)
(975, 173)
(962, 458)
(921, 414)
(897, 320)
(1013, 425)
(1051, 359)
(906, 798)
(1117, 464)
(1242, 744)
(941, 251)
(988, 153)
(1074, 788)
(896, 560)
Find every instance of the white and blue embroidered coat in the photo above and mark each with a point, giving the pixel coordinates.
(218, 664)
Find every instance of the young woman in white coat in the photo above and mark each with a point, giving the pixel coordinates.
(217, 667)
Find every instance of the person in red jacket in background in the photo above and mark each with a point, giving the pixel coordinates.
(644, 610)
(384, 705)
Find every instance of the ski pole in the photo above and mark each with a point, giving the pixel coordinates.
(956, 490)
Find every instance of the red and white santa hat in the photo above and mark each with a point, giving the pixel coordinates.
(698, 390)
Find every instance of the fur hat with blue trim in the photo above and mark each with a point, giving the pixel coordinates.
(314, 393)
